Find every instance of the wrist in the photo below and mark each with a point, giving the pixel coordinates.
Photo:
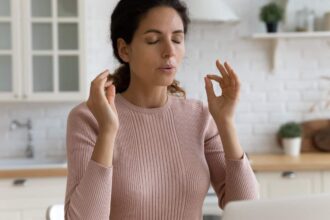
(224, 121)
(108, 133)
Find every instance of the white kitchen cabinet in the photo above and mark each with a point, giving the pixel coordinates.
(12, 215)
(326, 181)
(30, 200)
(42, 50)
(288, 183)
(10, 49)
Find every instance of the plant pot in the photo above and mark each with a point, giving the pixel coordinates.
(271, 27)
(292, 146)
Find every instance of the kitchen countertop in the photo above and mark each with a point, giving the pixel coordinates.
(281, 162)
(259, 162)
(34, 172)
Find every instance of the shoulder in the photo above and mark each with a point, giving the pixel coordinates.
(190, 107)
(80, 115)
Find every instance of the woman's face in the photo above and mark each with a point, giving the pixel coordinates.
(157, 48)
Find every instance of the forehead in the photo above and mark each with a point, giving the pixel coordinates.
(161, 18)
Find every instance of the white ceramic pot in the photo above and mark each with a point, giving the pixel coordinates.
(292, 146)
(326, 21)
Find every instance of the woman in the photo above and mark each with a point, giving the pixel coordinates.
(136, 149)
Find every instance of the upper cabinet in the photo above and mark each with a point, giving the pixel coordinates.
(41, 50)
(9, 49)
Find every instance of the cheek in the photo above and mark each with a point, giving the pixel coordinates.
(142, 61)
(181, 53)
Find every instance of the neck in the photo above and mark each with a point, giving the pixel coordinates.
(146, 97)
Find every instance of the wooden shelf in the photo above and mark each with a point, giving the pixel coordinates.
(279, 37)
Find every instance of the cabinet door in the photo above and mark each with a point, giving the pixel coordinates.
(10, 65)
(31, 198)
(54, 50)
(326, 181)
(288, 183)
(12, 215)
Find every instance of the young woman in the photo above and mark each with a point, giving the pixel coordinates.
(138, 149)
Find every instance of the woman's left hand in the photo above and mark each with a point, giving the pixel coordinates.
(222, 108)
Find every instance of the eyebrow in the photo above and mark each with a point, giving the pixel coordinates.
(159, 32)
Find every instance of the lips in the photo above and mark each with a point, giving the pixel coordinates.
(167, 67)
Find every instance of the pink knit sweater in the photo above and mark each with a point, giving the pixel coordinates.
(164, 161)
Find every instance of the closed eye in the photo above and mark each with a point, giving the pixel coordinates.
(152, 42)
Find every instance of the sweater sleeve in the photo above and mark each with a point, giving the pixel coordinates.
(89, 184)
(231, 179)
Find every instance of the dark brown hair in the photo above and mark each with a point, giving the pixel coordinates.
(124, 22)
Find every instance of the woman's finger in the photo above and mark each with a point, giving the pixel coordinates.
(234, 76)
(215, 77)
(108, 83)
(103, 79)
(222, 70)
(230, 74)
(209, 89)
(102, 75)
(111, 93)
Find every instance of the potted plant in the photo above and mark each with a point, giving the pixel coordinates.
(271, 14)
(290, 134)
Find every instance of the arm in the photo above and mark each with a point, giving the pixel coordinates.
(88, 193)
(231, 173)
(228, 134)
(89, 181)
(231, 178)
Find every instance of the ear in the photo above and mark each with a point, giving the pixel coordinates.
(123, 50)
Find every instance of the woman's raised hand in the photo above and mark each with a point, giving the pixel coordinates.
(222, 108)
(101, 103)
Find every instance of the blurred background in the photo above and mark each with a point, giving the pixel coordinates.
(50, 50)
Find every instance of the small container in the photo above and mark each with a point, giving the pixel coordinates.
(301, 16)
(326, 21)
(310, 21)
(305, 20)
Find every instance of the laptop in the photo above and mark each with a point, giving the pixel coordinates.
(311, 207)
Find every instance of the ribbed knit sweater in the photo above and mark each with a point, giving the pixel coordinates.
(164, 161)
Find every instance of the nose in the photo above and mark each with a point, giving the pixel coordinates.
(169, 49)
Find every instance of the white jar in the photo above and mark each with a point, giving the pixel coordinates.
(310, 21)
(326, 21)
(292, 146)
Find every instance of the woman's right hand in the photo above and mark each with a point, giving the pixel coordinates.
(101, 103)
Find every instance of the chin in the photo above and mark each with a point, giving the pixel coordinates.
(166, 82)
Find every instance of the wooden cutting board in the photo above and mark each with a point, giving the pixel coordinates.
(309, 129)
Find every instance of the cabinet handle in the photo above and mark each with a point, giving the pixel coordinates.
(289, 174)
(19, 182)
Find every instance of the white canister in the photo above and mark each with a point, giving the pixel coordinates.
(326, 21)
(310, 21)
(292, 146)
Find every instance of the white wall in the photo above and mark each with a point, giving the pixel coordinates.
(267, 99)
